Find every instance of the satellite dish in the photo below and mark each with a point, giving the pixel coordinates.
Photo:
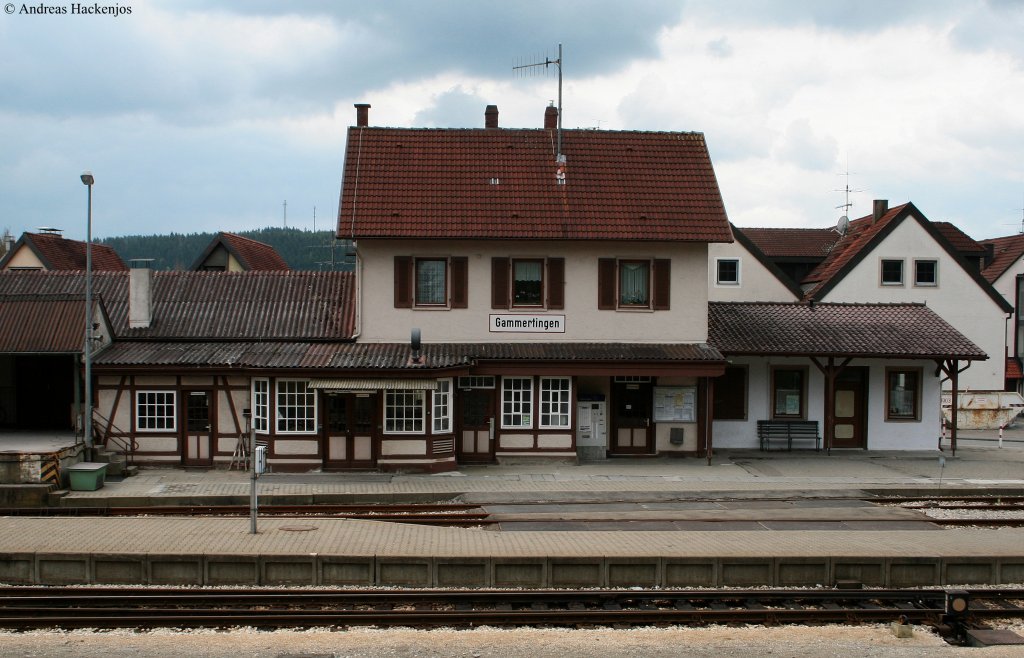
(842, 225)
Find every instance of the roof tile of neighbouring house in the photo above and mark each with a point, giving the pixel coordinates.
(59, 253)
(374, 357)
(42, 323)
(863, 330)
(251, 254)
(1006, 251)
(963, 243)
(215, 305)
(501, 184)
(859, 235)
(792, 242)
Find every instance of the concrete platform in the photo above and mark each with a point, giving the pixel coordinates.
(794, 552)
(36, 457)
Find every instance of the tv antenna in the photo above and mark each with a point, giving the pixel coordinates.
(533, 67)
(843, 224)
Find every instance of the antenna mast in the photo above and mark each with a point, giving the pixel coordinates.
(546, 63)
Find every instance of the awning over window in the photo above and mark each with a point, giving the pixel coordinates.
(387, 384)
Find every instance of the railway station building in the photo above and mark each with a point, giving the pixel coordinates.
(517, 294)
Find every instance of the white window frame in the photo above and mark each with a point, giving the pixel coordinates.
(442, 407)
(405, 399)
(281, 402)
(718, 271)
(261, 405)
(170, 419)
(519, 397)
(555, 402)
(932, 284)
(881, 272)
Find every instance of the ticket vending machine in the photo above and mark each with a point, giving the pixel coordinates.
(591, 429)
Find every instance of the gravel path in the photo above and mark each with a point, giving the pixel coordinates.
(787, 641)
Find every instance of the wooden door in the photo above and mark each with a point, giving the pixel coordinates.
(474, 444)
(631, 419)
(850, 425)
(198, 428)
(351, 441)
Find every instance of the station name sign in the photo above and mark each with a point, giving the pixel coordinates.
(528, 324)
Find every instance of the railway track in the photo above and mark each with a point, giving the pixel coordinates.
(972, 512)
(23, 608)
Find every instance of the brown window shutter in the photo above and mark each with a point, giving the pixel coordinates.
(460, 282)
(403, 282)
(556, 283)
(499, 283)
(606, 283)
(662, 284)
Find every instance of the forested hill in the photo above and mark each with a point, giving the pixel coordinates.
(301, 249)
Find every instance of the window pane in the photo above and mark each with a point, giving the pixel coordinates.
(925, 272)
(633, 284)
(892, 272)
(403, 412)
(728, 271)
(527, 283)
(296, 407)
(517, 402)
(902, 394)
(555, 397)
(431, 288)
(788, 392)
(155, 410)
(443, 406)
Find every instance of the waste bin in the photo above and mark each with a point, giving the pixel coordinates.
(87, 476)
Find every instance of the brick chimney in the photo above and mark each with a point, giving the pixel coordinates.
(551, 118)
(491, 116)
(362, 115)
(879, 208)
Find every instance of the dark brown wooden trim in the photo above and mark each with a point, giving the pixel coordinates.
(500, 283)
(556, 283)
(606, 296)
(460, 282)
(403, 282)
(662, 276)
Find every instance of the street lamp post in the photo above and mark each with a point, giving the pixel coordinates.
(88, 180)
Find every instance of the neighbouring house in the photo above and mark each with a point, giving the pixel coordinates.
(1004, 269)
(896, 255)
(49, 250)
(228, 252)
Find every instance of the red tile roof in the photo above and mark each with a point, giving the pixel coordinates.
(236, 306)
(962, 242)
(42, 323)
(59, 253)
(859, 235)
(1013, 368)
(908, 331)
(1005, 252)
(501, 184)
(793, 242)
(250, 254)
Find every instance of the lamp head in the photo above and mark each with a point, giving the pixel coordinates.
(87, 178)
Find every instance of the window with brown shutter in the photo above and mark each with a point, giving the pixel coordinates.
(662, 284)
(499, 282)
(403, 282)
(556, 283)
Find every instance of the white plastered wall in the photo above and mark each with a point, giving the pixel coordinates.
(685, 322)
(757, 283)
(881, 434)
(957, 298)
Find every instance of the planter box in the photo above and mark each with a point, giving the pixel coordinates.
(87, 476)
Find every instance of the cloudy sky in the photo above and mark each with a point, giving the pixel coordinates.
(208, 115)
